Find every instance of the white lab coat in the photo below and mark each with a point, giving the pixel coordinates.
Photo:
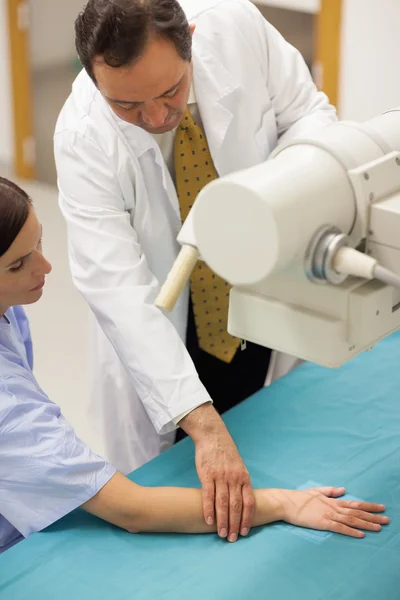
(122, 214)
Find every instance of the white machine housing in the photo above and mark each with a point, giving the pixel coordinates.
(255, 228)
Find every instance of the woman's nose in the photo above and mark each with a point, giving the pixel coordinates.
(43, 267)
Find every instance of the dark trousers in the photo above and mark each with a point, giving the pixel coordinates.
(228, 384)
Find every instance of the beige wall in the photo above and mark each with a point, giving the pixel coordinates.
(370, 71)
(52, 31)
(296, 27)
(310, 6)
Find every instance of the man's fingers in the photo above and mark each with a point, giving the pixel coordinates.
(235, 511)
(222, 507)
(248, 509)
(209, 502)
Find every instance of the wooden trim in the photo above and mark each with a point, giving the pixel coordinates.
(328, 48)
(21, 91)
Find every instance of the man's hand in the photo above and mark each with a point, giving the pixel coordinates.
(227, 491)
(226, 486)
(319, 508)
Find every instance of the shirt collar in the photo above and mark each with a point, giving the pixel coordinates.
(192, 95)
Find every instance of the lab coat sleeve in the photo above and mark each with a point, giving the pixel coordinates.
(111, 272)
(299, 107)
(45, 470)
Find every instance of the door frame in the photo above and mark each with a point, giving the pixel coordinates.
(327, 49)
(21, 88)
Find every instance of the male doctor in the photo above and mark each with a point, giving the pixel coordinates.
(172, 96)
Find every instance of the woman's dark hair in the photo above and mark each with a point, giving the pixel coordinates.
(118, 30)
(15, 205)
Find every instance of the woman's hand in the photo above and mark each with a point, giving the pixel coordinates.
(319, 508)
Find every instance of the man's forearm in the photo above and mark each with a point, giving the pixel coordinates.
(203, 422)
(180, 510)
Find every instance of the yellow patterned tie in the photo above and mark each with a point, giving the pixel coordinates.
(194, 168)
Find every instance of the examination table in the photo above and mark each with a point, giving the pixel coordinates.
(315, 425)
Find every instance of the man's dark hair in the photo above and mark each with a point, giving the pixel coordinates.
(118, 30)
(15, 205)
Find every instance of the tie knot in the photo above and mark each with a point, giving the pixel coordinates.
(187, 120)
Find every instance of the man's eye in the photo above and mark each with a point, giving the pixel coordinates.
(172, 94)
(127, 107)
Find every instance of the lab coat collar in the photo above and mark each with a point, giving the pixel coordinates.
(214, 85)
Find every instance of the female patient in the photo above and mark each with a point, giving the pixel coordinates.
(46, 471)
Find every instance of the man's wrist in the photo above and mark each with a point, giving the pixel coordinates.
(203, 422)
(177, 420)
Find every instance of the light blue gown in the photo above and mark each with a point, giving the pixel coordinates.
(45, 470)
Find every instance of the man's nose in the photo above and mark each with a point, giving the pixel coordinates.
(155, 114)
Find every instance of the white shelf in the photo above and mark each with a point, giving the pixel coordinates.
(308, 6)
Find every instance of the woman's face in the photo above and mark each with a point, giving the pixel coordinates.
(23, 267)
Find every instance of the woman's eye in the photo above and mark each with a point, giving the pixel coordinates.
(18, 267)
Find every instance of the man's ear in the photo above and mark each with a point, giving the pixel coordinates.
(192, 28)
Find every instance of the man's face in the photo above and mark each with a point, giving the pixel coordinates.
(153, 93)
